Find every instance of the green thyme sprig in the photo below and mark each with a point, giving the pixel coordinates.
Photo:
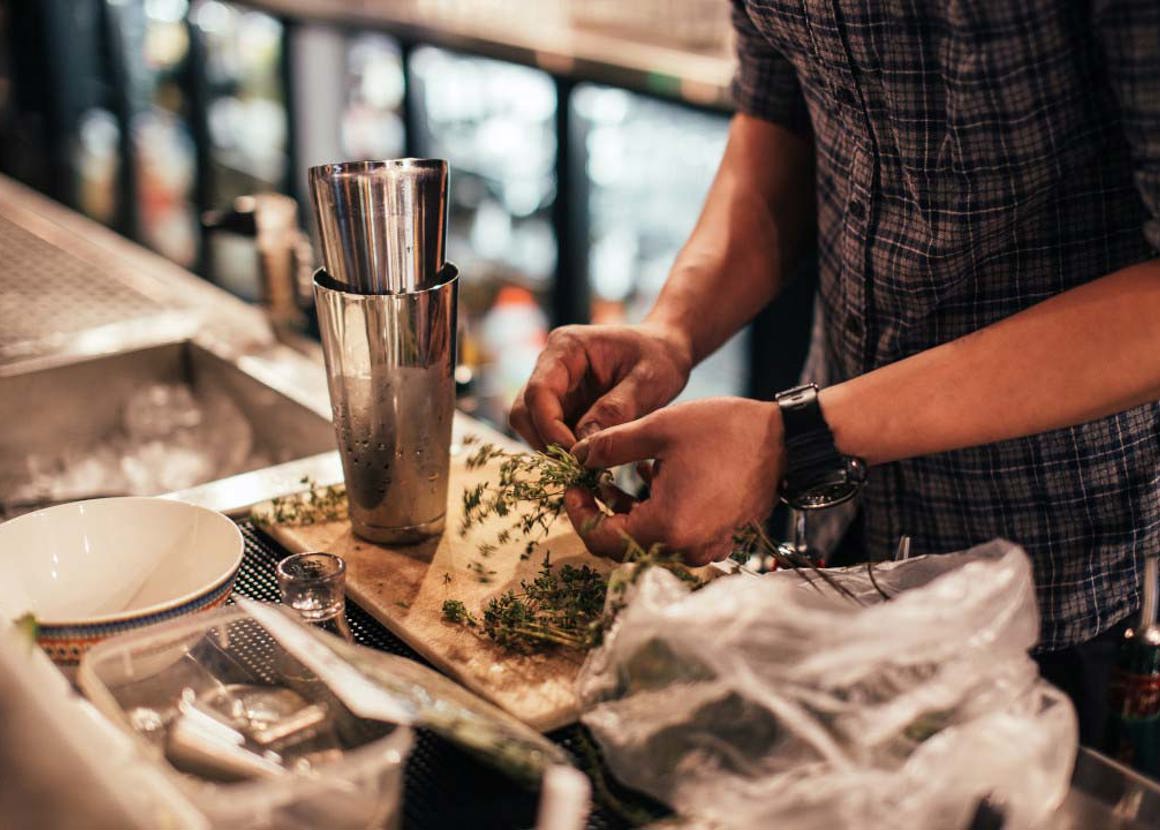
(556, 608)
(562, 607)
(314, 505)
(454, 611)
(529, 489)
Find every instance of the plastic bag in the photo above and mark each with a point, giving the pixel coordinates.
(775, 701)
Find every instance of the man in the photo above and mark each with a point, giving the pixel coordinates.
(984, 180)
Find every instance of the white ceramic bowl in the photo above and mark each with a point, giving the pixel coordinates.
(92, 569)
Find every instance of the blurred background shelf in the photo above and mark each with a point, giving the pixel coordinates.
(582, 137)
(676, 48)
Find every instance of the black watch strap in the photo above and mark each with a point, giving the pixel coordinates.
(816, 474)
(809, 445)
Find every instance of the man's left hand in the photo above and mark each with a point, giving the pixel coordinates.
(717, 465)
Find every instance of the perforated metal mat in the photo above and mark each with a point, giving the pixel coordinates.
(47, 292)
(445, 788)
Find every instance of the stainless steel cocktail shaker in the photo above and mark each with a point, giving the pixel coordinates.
(387, 310)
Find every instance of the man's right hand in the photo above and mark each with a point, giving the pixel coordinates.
(589, 378)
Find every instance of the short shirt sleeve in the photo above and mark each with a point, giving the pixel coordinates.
(765, 84)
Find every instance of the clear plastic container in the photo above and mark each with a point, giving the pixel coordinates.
(306, 761)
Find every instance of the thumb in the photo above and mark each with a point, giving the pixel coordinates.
(619, 405)
(635, 441)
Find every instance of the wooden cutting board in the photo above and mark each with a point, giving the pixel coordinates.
(404, 588)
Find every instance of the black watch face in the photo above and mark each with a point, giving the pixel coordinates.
(821, 497)
(828, 490)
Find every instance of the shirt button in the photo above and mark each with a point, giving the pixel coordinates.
(846, 96)
(857, 208)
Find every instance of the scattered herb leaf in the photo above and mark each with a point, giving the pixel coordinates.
(28, 626)
(560, 607)
(482, 573)
(314, 505)
(455, 611)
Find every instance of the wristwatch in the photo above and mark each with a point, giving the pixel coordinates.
(816, 474)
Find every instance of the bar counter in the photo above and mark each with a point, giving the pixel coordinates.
(97, 294)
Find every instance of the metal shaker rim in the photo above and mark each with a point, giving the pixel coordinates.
(339, 168)
(449, 273)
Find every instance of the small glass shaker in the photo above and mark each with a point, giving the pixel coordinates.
(314, 585)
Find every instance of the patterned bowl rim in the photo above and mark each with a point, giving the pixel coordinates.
(217, 593)
(59, 628)
(67, 647)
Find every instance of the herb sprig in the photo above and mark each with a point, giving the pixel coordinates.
(314, 505)
(565, 607)
(529, 490)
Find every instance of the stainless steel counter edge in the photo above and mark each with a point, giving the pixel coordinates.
(236, 496)
(192, 308)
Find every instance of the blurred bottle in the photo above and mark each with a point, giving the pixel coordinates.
(513, 333)
(165, 177)
(1134, 727)
(495, 122)
(372, 120)
(96, 157)
(156, 53)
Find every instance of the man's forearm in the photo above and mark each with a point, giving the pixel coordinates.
(757, 216)
(1084, 354)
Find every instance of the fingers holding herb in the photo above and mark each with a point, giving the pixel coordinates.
(520, 419)
(603, 534)
(571, 607)
(614, 498)
(545, 404)
(543, 410)
(717, 465)
(629, 443)
(531, 490)
(597, 376)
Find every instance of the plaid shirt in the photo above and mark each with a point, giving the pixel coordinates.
(976, 157)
